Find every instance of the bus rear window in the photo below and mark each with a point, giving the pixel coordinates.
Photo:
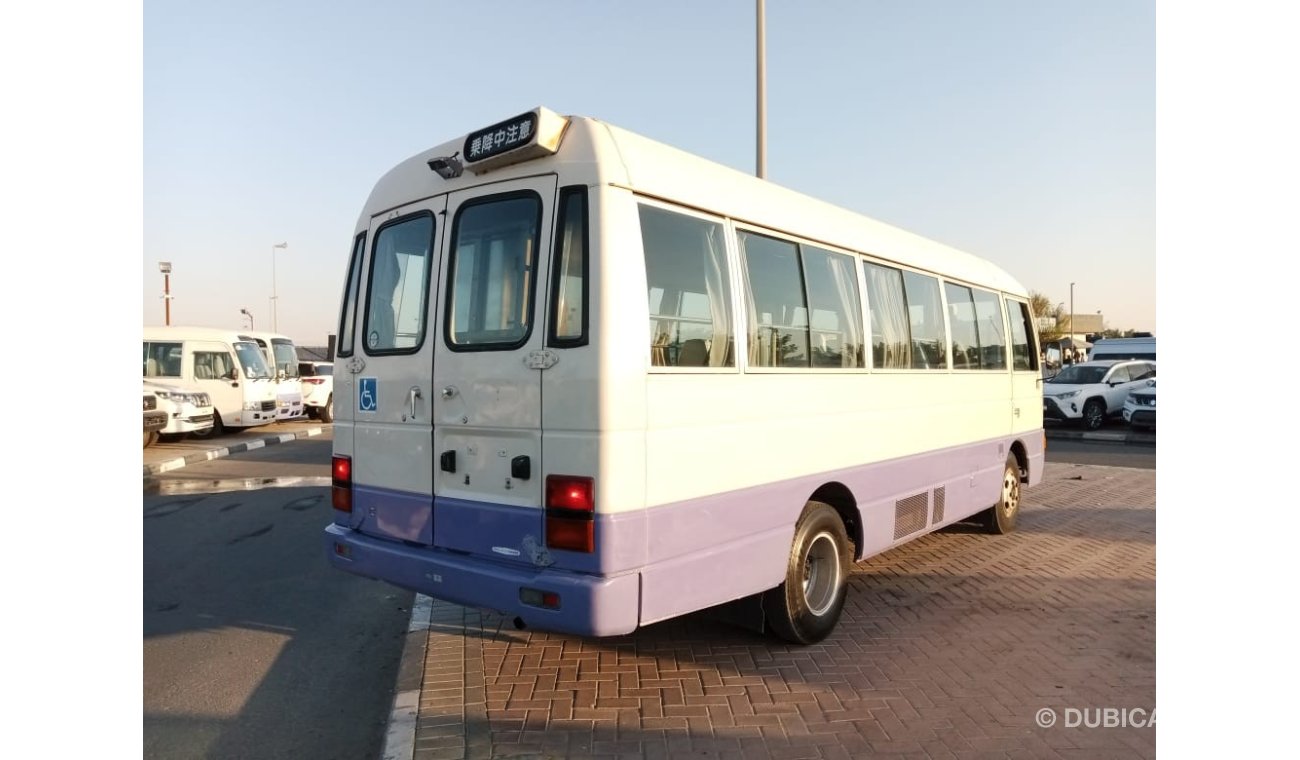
(493, 265)
(399, 285)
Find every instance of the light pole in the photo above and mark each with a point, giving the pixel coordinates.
(1071, 315)
(248, 314)
(275, 315)
(166, 268)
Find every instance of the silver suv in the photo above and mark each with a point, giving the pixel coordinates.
(1090, 392)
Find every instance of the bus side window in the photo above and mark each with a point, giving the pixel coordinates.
(925, 315)
(348, 317)
(991, 332)
(569, 271)
(890, 332)
(1022, 325)
(687, 285)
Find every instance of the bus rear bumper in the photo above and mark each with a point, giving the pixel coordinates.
(589, 605)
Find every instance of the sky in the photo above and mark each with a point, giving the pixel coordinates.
(1022, 131)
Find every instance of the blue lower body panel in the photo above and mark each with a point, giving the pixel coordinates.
(590, 605)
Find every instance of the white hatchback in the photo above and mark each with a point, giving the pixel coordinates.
(1090, 392)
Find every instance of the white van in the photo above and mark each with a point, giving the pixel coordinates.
(282, 357)
(1123, 348)
(221, 363)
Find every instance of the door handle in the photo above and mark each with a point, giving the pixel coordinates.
(414, 394)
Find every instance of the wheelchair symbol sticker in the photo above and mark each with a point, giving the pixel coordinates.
(368, 400)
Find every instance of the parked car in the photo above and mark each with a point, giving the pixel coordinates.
(1140, 407)
(188, 410)
(155, 419)
(318, 389)
(1089, 392)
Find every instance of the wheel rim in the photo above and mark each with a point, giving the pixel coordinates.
(1010, 492)
(821, 573)
(1094, 416)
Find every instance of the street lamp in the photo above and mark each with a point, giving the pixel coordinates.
(1071, 315)
(248, 314)
(166, 268)
(275, 321)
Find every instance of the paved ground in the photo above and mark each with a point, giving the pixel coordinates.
(949, 647)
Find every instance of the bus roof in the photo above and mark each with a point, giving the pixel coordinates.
(593, 152)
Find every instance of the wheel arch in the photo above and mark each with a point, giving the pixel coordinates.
(841, 499)
(1022, 459)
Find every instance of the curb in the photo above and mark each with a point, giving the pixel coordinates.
(1103, 436)
(399, 741)
(157, 468)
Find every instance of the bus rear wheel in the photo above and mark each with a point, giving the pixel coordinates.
(805, 608)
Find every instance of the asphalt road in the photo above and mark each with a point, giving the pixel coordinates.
(253, 646)
(1109, 454)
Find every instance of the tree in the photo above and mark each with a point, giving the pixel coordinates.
(1042, 307)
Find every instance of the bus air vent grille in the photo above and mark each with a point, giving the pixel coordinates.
(910, 514)
(938, 505)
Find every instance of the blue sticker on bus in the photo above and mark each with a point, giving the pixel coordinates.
(368, 399)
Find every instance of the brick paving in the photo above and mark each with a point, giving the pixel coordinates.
(948, 648)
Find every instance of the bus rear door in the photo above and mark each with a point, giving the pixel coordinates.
(489, 355)
(389, 398)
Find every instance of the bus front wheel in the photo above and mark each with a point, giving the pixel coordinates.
(805, 608)
(1001, 517)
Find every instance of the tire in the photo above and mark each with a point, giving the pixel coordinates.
(150, 438)
(326, 413)
(1094, 414)
(216, 429)
(1001, 518)
(805, 608)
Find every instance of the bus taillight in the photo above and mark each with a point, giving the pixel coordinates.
(341, 475)
(570, 513)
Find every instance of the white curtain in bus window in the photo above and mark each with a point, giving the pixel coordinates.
(835, 323)
(492, 266)
(399, 285)
(925, 317)
(686, 280)
(890, 336)
(774, 297)
(989, 328)
(961, 325)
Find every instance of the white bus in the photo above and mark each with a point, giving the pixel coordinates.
(282, 358)
(227, 366)
(594, 382)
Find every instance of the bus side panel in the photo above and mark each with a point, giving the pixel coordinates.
(709, 550)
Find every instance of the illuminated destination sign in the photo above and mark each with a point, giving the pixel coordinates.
(501, 137)
(531, 135)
